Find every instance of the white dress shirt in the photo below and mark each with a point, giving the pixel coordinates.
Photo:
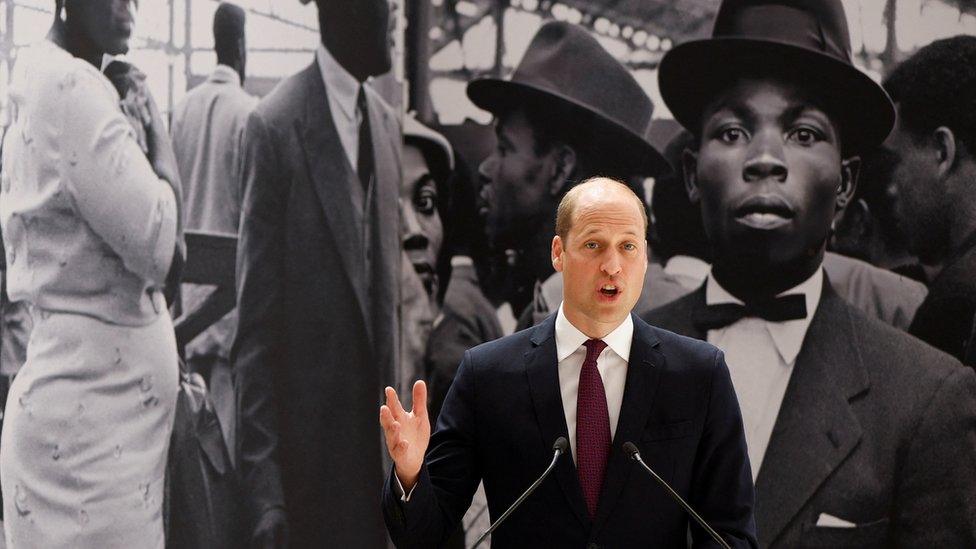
(612, 364)
(761, 355)
(342, 90)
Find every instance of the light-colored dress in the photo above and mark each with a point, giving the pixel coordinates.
(89, 231)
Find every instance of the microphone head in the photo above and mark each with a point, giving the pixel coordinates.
(631, 450)
(561, 445)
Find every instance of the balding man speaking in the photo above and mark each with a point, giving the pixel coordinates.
(598, 376)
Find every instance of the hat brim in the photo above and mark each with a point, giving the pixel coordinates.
(692, 73)
(632, 151)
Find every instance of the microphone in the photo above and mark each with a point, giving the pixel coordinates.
(559, 448)
(631, 449)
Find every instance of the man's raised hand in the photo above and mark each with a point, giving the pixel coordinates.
(407, 433)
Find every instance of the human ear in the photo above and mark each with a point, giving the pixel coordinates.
(945, 143)
(563, 166)
(849, 170)
(689, 165)
(557, 253)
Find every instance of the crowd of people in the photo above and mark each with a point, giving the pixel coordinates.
(816, 227)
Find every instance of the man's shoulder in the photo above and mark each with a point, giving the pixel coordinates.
(899, 365)
(849, 270)
(227, 99)
(507, 349)
(680, 352)
(236, 98)
(878, 292)
(673, 314)
(287, 99)
(956, 280)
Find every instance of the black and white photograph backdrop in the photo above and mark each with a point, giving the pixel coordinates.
(236, 234)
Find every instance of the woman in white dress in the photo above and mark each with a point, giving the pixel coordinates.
(90, 225)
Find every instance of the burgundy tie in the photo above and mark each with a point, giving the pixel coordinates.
(592, 427)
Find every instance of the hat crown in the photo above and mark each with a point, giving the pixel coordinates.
(816, 25)
(797, 39)
(566, 61)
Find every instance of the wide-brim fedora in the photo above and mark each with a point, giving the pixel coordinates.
(806, 39)
(565, 66)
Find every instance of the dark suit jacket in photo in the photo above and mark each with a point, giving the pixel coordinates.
(876, 428)
(945, 318)
(467, 319)
(504, 412)
(317, 335)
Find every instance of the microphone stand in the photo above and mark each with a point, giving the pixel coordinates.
(631, 449)
(558, 448)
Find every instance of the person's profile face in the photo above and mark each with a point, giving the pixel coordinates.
(108, 23)
(913, 173)
(422, 233)
(603, 258)
(769, 173)
(515, 180)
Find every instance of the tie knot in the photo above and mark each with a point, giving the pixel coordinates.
(593, 348)
(361, 98)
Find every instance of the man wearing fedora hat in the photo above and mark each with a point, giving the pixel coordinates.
(569, 111)
(317, 288)
(859, 435)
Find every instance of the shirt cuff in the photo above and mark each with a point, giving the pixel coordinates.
(403, 496)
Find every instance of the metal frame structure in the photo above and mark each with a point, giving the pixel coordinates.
(8, 49)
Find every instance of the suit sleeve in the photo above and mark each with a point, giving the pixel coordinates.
(256, 352)
(936, 493)
(722, 489)
(448, 478)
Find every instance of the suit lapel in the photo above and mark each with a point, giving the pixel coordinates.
(334, 182)
(816, 428)
(643, 374)
(542, 371)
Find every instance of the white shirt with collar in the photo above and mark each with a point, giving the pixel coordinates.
(612, 364)
(761, 355)
(343, 92)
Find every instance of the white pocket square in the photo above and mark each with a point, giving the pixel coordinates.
(831, 521)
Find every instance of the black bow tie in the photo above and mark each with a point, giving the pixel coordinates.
(778, 309)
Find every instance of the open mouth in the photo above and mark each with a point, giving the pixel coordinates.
(422, 267)
(764, 212)
(609, 290)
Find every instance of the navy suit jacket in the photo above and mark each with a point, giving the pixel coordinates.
(504, 411)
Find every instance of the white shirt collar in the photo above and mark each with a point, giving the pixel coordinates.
(686, 265)
(106, 60)
(341, 86)
(569, 339)
(787, 335)
(225, 73)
